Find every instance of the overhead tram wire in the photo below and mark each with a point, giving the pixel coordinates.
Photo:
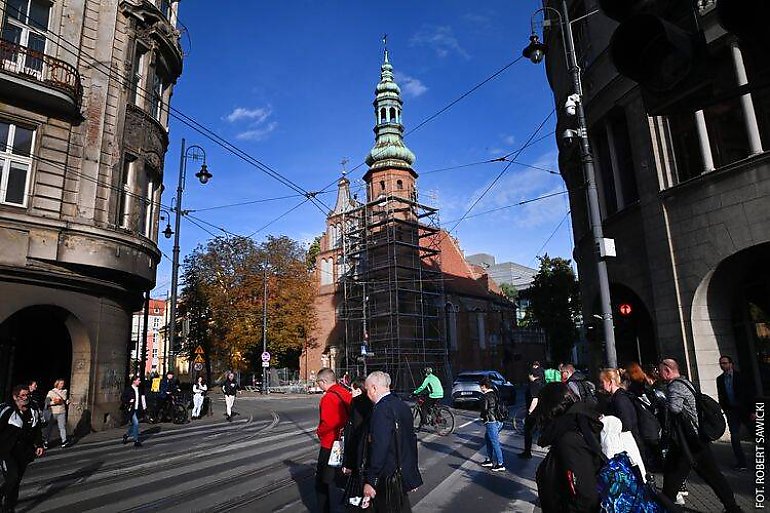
(500, 175)
(444, 109)
(566, 216)
(517, 204)
(278, 218)
(193, 124)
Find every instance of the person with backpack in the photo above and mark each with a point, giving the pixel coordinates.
(566, 478)
(690, 445)
(621, 405)
(536, 382)
(492, 417)
(334, 410)
(579, 384)
(21, 441)
(650, 404)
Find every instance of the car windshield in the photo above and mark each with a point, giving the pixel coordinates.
(470, 378)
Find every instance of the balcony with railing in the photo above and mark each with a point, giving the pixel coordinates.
(38, 79)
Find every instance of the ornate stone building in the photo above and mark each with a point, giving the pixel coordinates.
(85, 87)
(686, 197)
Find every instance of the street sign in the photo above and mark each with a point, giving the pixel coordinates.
(266, 364)
(199, 359)
(265, 356)
(198, 366)
(199, 350)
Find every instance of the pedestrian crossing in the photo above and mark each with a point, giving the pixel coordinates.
(260, 462)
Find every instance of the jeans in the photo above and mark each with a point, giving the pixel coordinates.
(133, 426)
(197, 404)
(324, 479)
(492, 437)
(678, 467)
(734, 422)
(61, 421)
(229, 401)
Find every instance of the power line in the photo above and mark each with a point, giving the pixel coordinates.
(566, 216)
(518, 204)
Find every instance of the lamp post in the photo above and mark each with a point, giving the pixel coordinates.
(204, 176)
(535, 52)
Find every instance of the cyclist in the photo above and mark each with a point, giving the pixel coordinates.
(431, 386)
(169, 386)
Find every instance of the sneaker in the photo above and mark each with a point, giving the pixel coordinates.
(487, 463)
(498, 468)
(125, 439)
(683, 489)
(526, 455)
(137, 444)
(65, 444)
(679, 499)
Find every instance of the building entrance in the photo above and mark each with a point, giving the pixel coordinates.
(35, 344)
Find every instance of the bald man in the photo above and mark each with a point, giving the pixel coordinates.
(392, 442)
(688, 449)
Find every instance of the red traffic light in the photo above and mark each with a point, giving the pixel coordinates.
(625, 309)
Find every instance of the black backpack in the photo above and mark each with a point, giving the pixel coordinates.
(501, 410)
(551, 485)
(711, 420)
(587, 391)
(648, 423)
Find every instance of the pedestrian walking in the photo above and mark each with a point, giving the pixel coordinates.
(199, 392)
(36, 399)
(536, 378)
(58, 400)
(570, 429)
(230, 389)
(392, 470)
(687, 448)
(620, 404)
(21, 441)
(356, 431)
(578, 384)
(334, 411)
(735, 399)
(641, 387)
(134, 405)
(490, 404)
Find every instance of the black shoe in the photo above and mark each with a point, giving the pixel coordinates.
(498, 468)
(526, 455)
(137, 444)
(125, 439)
(488, 463)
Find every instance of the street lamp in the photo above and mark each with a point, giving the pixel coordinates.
(535, 52)
(194, 153)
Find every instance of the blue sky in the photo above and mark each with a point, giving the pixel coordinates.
(292, 83)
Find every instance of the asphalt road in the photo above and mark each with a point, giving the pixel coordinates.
(265, 460)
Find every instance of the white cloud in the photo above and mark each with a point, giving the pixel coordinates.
(509, 140)
(411, 86)
(441, 39)
(257, 133)
(258, 115)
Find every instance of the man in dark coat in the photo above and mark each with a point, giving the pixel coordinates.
(21, 441)
(735, 400)
(393, 447)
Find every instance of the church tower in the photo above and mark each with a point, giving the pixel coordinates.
(390, 161)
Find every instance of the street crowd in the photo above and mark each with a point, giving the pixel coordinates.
(605, 442)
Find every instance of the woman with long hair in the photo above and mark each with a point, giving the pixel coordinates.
(57, 401)
(199, 392)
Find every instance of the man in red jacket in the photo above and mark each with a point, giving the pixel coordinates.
(334, 413)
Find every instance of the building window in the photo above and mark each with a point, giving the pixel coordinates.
(158, 91)
(16, 143)
(615, 162)
(154, 352)
(340, 269)
(451, 318)
(25, 24)
(758, 72)
(382, 185)
(326, 272)
(125, 193)
(606, 180)
(165, 8)
(137, 76)
(683, 134)
(481, 320)
(392, 115)
(399, 185)
(147, 213)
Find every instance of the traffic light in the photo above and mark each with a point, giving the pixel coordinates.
(659, 45)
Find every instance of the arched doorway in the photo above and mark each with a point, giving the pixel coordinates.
(35, 344)
(731, 315)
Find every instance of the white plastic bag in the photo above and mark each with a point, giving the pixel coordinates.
(614, 441)
(335, 457)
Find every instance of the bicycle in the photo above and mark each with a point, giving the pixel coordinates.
(173, 410)
(518, 419)
(440, 418)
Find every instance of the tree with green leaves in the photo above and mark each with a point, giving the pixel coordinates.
(554, 298)
(509, 291)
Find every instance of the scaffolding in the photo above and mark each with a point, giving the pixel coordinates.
(392, 290)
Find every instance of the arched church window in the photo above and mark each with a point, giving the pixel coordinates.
(382, 185)
(393, 118)
(399, 184)
(382, 115)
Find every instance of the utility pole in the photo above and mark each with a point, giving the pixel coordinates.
(264, 329)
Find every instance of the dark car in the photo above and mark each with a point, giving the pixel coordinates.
(466, 389)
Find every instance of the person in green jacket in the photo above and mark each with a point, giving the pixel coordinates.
(432, 386)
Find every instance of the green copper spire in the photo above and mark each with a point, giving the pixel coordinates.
(389, 149)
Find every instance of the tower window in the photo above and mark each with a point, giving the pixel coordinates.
(382, 115)
(399, 184)
(393, 115)
(382, 185)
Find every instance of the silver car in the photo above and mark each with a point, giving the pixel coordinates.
(466, 389)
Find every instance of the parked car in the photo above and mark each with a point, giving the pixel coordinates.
(466, 389)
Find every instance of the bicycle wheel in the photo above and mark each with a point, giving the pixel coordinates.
(444, 421)
(416, 417)
(518, 419)
(180, 414)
